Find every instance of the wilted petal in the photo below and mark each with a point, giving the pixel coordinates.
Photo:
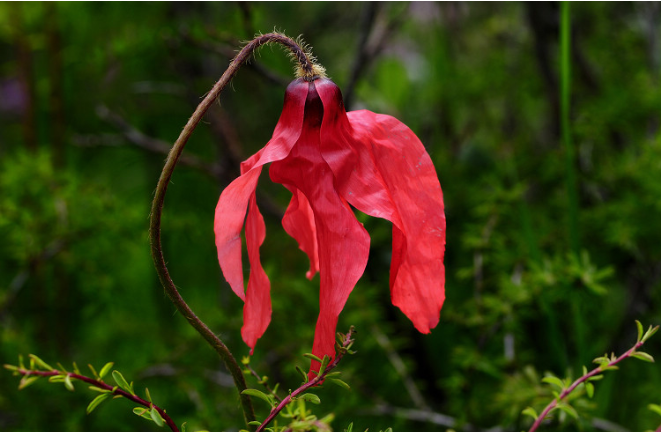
(389, 174)
(299, 224)
(343, 243)
(233, 203)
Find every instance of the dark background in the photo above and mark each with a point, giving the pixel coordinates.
(93, 94)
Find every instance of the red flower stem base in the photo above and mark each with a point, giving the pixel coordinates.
(307, 69)
(100, 384)
(317, 380)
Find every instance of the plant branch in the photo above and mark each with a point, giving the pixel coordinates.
(596, 371)
(101, 385)
(346, 343)
(308, 68)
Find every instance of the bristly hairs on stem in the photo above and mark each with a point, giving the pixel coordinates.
(305, 63)
(309, 71)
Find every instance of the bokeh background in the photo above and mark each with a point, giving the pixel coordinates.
(93, 94)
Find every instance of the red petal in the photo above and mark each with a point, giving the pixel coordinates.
(299, 223)
(343, 243)
(257, 309)
(389, 174)
(231, 212)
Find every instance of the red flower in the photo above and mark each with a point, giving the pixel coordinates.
(328, 159)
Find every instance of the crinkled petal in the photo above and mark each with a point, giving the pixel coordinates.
(299, 224)
(257, 307)
(389, 174)
(233, 204)
(343, 243)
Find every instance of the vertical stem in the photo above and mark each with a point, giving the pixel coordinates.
(308, 68)
(570, 152)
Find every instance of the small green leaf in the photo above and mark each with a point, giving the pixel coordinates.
(156, 416)
(56, 378)
(596, 377)
(643, 356)
(655, 408)
(255, 423)
(589, 389)
(259, 394)
(309, 397)
(554, 381)
(27, 381)
(99, 389)
(340, 383)
(640, 330)
(96, 375)
(105, 369)
(183, 427)
(142, 412)
(75, 369)
(121, 382)
(148, 395)
(96, 401)
(303, 374)
(349, 428)
(650, 332)
(312, 357)
(324, 364)
(10, 367)
(568, 409)
(530, 411)
(67, 383)
(42, 364)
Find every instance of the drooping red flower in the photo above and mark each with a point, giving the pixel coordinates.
(328, 159)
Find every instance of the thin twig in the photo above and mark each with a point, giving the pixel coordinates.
(346, 343)
(308, 68)
(100, 384)
(264, 383)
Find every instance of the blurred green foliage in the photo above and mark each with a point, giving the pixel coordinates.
(477, 82)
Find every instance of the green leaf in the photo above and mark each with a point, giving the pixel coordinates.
(254, 423)
(324, 364)
(42, 364)
(643, 356)
(27, 381)
(530, 411)
(148, 395)
(121, 382)
(56, 378)
(303, 374)
(349, 428)
(67, 383)
(259, 394)
(596, 377)
(156, 416)
(589, 389)
(640, 331)
(309, 397)
(340, 383)
(75, 369)
(554, 381)
(650, 332)
(183, 427)
(105, 369)
(99, 389)
(142, 412)
(10, 367)
(96, 375)
(96, 401)
(312, 357)
(655, 408)
(568, 409)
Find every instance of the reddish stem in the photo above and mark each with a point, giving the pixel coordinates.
(100, 384)
(579, 381)
(315, 381)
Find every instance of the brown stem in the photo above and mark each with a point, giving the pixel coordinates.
(317, 380)
(100, 384)
(307, 67)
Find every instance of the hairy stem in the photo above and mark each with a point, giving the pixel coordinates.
(100, 384)
(308, 68)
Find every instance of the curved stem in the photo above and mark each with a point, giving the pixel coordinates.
(307, 67)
